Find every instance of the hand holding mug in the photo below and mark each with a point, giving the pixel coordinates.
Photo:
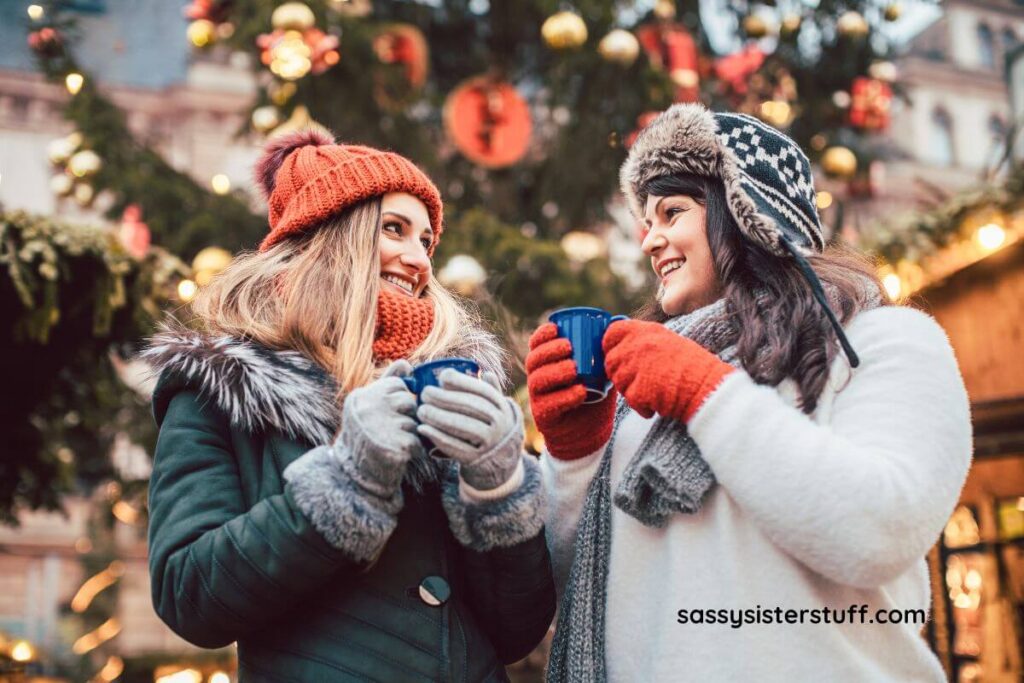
(378, 434)
(660, 372)
(571, 427)
(469, 420)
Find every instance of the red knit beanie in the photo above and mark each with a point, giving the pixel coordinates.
(306, 179)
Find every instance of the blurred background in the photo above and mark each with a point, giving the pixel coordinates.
(128, 129)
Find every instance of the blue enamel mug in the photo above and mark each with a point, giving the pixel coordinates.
(584, 327)
(426, 375)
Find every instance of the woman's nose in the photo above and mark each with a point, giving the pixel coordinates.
(653, 242)
(415, 257)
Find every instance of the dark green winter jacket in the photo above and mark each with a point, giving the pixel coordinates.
(243, 551)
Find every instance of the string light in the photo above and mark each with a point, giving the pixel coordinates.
(221, 183)
(823, 200)
(991, 236)
(125, 513)
(892, 285)
(186, 290)
(74, 82)
(182, 676)
(36, 12)
(95, 585)
(112, 669)
(22, 651)
(90, 641)
(219, 677)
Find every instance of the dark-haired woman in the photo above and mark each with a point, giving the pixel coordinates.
(782, 445)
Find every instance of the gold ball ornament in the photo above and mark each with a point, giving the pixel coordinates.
(62, 185)
(582, 246)
(214, 259)
(620, 47)
(84, 194)
(280, 92)
(266, 118)
(351, 8)
(791, 24)
(665, 9)
(463, 273)
(85, 163)
(291, 57)
(293, 16)
(208, 263)
(839, 162)
(755, 26)
(852, 25)
(202, 32)
(564, 30)
(883, 71)
(60, 150)
(893, 12)
(684, 78)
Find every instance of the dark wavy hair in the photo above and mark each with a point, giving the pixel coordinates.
(792, 337)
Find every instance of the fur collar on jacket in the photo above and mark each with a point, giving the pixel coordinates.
(261, 389)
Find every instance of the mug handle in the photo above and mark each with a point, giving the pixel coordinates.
(617, 318)
(410, 383)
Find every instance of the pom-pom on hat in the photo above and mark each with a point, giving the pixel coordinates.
(307, 178)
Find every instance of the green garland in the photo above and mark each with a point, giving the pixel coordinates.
(71, 296)
(915, 235)
(183, 216)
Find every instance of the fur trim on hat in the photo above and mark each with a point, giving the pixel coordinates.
(686, 139)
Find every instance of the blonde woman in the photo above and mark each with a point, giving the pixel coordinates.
(293, 509)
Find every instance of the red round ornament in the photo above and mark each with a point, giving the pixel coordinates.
(488, 121)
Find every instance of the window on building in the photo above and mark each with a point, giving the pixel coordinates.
(997, 131)
(940, 143)
(1010, 40)
(986, 46)
(996, 128)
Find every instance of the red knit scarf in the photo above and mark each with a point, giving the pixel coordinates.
(403, 322)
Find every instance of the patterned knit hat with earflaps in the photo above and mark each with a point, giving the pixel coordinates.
(767, 178)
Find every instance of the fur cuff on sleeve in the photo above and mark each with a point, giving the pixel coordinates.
(348, 517)
(500, 523)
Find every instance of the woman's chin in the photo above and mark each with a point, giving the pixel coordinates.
(673, 303)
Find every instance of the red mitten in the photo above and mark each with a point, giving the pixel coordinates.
(571, 429)
(659, 371)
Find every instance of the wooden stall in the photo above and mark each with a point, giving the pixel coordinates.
(978, 565)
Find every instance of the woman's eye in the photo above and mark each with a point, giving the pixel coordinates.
(393, 227)
(426, 242)
(673, 211)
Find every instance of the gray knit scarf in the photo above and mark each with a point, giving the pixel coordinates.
(667, 475)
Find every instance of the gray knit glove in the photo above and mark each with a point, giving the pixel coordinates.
(378, 432)
(470, 421)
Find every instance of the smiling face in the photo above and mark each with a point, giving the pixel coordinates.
(405, 236)
(676, 240)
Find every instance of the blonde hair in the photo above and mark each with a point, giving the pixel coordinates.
(316, 293)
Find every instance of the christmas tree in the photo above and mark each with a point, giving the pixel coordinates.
(521, 110)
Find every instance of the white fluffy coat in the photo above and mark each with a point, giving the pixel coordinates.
(834, 509)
